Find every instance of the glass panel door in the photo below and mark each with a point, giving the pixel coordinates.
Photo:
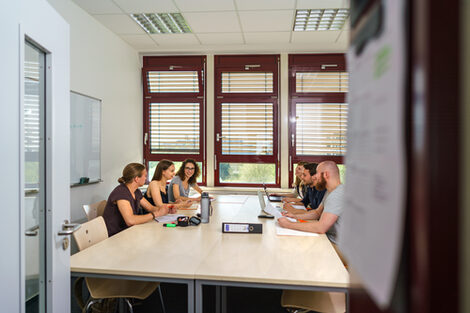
(34, 197)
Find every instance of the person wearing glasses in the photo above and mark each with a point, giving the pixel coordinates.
(185, 178)
(156, 193)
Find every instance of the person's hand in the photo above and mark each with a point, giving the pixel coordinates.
(286, 199)
(284, 222)
(288, 214)
(288, 207)
(163, 210)
(171, 208)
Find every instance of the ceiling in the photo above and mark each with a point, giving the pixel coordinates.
(228, 26)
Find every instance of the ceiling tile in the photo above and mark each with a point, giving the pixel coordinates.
(175, 39)
(322, 4)
(221, 38)
(313, 37)
(267, 37)
(139, 41)
(213, 22)
(256, 21)
(265, 4)
(99, 6)
(147, 6)
(205, 5)
(120, 24)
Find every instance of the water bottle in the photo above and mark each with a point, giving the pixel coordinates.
(205, 206)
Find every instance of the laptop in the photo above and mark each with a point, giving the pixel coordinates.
(271, 198)
(262, 204)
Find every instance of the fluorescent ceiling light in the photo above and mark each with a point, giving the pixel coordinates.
(326, 19)
(162, 23)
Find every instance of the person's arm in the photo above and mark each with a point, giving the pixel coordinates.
(164, 209)
(307, 215)
(321, 226)
(292, 200)
(197, 188)
(128, 215)
(176, 193)
(289, 208)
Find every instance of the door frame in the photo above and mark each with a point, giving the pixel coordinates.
(45, 28)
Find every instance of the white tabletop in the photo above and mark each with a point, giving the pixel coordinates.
(204, 252)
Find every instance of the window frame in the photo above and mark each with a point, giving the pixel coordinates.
(236, 63)
(311, 63)
(174, 64)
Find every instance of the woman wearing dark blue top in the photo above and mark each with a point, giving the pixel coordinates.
(156, 192)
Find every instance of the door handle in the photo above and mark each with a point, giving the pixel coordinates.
(69, 228)
(32, 232)
(218, 137)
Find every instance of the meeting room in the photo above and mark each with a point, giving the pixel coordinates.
(235, 156)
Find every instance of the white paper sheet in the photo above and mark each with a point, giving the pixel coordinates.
(169, 218)
(270, 209)
(281, 231)
(299, 207)
(373, 219)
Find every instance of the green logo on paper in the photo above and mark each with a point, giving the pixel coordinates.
(382, 61)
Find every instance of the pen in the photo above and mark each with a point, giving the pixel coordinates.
(169, 225)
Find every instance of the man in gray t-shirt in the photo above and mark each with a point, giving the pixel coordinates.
(327, 217)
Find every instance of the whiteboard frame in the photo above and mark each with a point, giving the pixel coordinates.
(99, 180)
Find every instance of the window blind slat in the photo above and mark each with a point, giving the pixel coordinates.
(247, 128)
(254, 82)
(321, 81)
(321, 128)
(172, 81)
(174, 128)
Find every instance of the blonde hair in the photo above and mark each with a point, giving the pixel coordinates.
(298, 181)
(131, 171)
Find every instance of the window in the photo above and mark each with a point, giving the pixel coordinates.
(318, 111)
(246, 106)
(174, 110)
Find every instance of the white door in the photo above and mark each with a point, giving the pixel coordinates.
(45, 167)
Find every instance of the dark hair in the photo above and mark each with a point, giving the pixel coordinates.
(298, 181)
(162, 166)
(311, 167)
(131, 171)
(197, 171)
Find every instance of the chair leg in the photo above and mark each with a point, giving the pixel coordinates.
(161, 298)
(129, 305)
(90, 304)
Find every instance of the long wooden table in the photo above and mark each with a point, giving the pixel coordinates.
(203, 255)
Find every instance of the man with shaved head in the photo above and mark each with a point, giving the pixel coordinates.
(327, 217)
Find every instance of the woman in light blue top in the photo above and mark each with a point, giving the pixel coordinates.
(185, 178)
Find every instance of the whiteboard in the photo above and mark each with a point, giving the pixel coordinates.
(85, 138)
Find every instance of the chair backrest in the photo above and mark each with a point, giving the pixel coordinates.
(95, 209)
(91, 233)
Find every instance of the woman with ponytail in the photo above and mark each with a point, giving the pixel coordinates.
(123, 202)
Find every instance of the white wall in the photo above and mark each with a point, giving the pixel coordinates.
(105, 67)
(10, 296)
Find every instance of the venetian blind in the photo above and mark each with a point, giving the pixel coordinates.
(247, 128)
(321, 81)
(31, 107)
(321, 128)
(174, 128)
(247, 82)
(172, 81)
